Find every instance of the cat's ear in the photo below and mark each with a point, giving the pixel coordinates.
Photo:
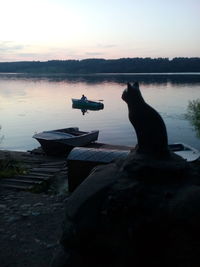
(136, 85)
(129, 86)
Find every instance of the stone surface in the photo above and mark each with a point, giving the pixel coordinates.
(137, 212)
(30, 228)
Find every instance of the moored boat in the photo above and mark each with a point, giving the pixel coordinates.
(87, 104)
(61, 141)
(185, 151)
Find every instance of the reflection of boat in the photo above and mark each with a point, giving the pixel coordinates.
(185, 151)
(86, 104)
(63, 140)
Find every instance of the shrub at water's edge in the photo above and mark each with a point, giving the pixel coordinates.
(193, 115)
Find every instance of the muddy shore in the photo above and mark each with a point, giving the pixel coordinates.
(30, 223)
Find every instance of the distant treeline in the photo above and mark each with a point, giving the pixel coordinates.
(122, 65)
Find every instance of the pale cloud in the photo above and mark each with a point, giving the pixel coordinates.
(11, 47)
(94, 54)
(106, 45)
(10, 50)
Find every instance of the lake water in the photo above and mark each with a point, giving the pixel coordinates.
(30, 104)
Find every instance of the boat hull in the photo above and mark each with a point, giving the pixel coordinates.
(91, 105)
(185, 151)
(54, 148)
(55, 143)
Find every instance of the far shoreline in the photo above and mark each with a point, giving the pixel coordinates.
(100, 73)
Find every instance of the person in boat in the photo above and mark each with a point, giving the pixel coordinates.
(84, 98)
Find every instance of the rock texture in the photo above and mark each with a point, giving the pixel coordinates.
(30, 228)
(145, 213)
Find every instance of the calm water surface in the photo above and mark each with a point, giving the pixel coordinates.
(30, 104)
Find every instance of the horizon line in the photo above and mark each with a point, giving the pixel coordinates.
(152, 58)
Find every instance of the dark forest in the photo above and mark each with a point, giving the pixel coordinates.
(122, 65)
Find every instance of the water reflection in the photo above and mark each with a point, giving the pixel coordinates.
(85, 110)
(146, 78)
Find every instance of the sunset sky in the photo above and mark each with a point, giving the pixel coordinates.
(77, 29)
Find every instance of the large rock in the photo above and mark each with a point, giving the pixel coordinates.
(137, 212)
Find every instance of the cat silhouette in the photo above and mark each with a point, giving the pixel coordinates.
(149, 126)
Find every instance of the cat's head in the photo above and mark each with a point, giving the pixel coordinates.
(131, 93)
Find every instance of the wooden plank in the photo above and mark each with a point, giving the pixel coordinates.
(48, 170)
(52, 166)
(19, 187)
(55, 164)
(40, 174)
(39, 178)
(26, 181)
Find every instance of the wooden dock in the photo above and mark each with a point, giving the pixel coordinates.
(43, 170)
(40, 171)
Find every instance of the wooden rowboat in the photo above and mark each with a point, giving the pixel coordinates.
(87, 104)
(61, 141)
(185, 151)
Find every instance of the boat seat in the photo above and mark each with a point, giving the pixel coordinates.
(50, 135)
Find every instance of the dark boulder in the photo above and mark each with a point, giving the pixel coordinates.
(137, 212)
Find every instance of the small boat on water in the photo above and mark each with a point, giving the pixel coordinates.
(61, 141)
(87, 104)
(185, 151)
